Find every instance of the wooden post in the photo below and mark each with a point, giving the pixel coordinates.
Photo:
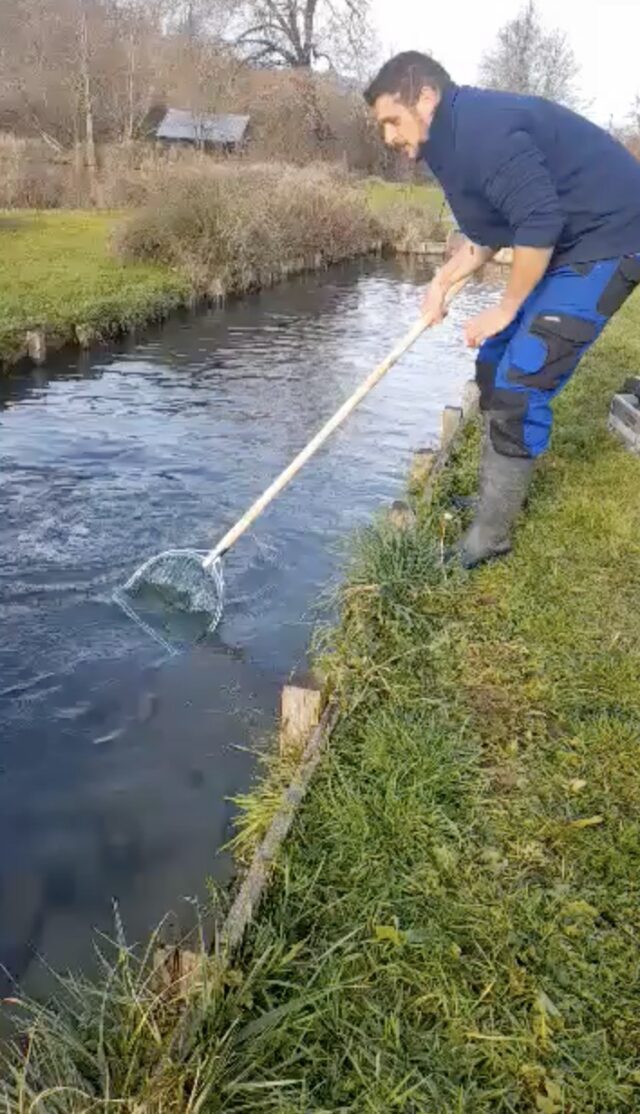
(401, 516)
(300, 711)
(624, 419)
(85, 335)
(470, 399)
(178, 970)
(421, 465)
(37, 345)
(451, 419)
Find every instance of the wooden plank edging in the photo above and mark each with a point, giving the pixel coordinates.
(252, 889)
(255, 881)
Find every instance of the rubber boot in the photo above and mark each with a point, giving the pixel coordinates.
(504, 482)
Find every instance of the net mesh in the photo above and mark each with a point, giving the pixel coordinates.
(176, 580)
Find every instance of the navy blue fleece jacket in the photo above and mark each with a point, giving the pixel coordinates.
(523, 171)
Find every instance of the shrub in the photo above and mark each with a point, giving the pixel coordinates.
(241, 226)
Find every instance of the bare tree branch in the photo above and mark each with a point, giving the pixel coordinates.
(303, 31)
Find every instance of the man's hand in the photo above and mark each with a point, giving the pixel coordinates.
(529, 267)
(433, 307)
(489, 323)
(466, 261)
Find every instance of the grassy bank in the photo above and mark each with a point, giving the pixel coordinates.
(206, 232)
(58, 272)
(454, 925)
(462, 894)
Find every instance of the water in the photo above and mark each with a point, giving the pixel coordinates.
(117, 767)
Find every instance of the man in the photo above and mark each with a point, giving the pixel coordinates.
(522, 172)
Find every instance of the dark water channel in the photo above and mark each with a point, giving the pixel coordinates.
(116, 767)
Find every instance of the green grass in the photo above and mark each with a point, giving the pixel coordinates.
(453, 927)
(58, 272)
(409, 212)
(381, 194)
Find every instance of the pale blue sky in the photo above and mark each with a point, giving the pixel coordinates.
(605, 35)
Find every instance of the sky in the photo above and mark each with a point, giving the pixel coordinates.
(604, 34)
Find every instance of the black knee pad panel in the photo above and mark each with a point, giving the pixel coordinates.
(563, 336)
(506, 426)
(485, 378)
(621, 284)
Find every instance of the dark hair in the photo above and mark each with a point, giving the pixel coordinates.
(405, 75)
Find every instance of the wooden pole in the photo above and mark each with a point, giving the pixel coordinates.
(314, 444)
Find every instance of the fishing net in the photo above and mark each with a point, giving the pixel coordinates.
(180, 581)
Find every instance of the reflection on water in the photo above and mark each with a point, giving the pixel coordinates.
(116, 768)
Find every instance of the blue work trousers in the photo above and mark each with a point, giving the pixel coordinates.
(523, 368)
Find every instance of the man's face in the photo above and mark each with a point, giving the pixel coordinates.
(405, 128)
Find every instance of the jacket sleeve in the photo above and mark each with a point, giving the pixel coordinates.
(518, 185)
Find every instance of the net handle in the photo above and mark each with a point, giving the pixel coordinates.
(321, 436)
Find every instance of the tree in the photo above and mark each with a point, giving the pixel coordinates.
(629, 134)
(34, 65)
(303, 36)
(77, 72)
(50, 66)
(528, 58)
(301, 33)
(132, 64)
(633, 118)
